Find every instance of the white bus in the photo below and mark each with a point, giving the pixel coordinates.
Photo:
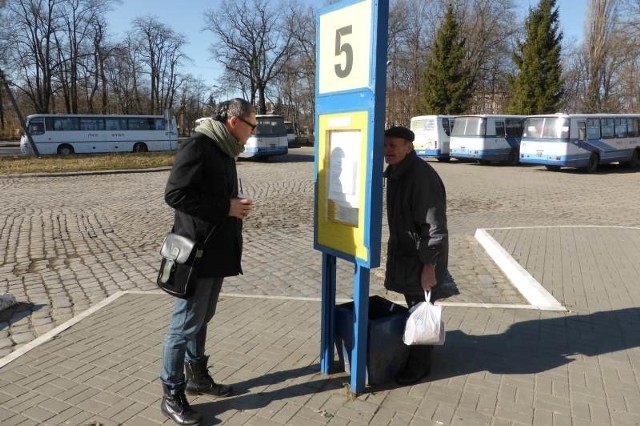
(292, 135)
(487, 138)
(270, 138)
(66, 134)
(582, 141)
(432, 135)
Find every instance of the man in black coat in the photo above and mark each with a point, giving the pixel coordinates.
(418, 247)
(203, 190)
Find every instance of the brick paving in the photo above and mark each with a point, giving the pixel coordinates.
(69, 242)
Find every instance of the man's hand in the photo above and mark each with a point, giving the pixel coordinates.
(428, 277)
(240, 207)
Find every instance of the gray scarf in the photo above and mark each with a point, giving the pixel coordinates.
(220, 135)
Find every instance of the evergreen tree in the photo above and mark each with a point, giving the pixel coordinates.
(538, 87)
(447, 82)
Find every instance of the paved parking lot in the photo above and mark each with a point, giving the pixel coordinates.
(69, 242)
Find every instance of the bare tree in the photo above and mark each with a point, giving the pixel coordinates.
(159, 48)
(29, 37)
(490, 39)
(254, 42)
(602, 61)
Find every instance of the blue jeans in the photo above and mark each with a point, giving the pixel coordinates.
(187, 333)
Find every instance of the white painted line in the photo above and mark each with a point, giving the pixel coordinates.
(522, 280)
(59, 329)
(568, 226)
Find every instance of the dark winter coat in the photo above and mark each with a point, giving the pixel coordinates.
(202, 183)
(416, 211)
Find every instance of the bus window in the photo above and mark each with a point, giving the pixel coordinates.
(632, 126)
(116, 123)
(141, 123)
(500, 131)
(514, 127)
(36, 127)
(593, 129)
(607, 128)
(62, 123)
(91, 123)
(621, 128)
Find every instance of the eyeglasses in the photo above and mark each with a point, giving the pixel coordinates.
(253, 126)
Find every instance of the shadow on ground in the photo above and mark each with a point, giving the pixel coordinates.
(538, 345)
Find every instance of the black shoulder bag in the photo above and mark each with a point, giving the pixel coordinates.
(179, 267)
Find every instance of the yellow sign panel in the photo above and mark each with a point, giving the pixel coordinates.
(342, 160)
(345, 48)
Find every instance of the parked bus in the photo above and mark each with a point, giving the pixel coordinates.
(432, 135)
(270, 138)
(582, 141)
(487, 138)
(66, 134)
(292, 135)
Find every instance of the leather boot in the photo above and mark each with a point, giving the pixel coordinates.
(176, 407)
(199, 381)
(418, 365)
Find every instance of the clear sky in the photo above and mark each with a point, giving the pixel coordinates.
(185, 17)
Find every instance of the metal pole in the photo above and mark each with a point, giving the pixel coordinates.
(359, 355)
(23, 124)
(328, 312)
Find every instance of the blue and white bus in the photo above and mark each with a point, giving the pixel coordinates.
(66, 134)
(581, 141)
(270, 138)
(432, 134)
(487, 138)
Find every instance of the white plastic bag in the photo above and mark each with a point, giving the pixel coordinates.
(424, 325)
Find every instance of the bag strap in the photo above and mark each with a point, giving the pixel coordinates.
(213, 228)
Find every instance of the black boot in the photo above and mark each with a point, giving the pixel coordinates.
(199, 380)
(177, 408)
(418, 365)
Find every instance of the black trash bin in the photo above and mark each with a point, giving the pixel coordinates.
(386, 352)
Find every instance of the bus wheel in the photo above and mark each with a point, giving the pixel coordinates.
(512, 160)
(65, 150)
(594, 160)
(140, 147)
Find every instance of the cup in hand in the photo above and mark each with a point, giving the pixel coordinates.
(245, 196)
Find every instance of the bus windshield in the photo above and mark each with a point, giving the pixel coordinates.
(270, 125)
(546, 128)
(469, 126)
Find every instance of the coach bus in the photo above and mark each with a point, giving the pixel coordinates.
(432, 134)
(269, 138)
(487, 138)
(66, 134)
(582, 141)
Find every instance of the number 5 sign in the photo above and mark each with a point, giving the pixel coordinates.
(345, 48)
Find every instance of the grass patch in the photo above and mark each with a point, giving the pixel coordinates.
(91, 162)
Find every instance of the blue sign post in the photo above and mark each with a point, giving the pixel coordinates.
(350, 100)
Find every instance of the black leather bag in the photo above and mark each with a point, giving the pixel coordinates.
(179, 267)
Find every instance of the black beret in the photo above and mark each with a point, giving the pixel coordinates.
(400, 132)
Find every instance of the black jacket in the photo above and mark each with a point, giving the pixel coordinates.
(417, 215)
(202, 183)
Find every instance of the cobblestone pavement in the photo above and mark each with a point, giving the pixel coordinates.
(67, 242)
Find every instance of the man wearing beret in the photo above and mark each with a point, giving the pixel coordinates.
(418, 247)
